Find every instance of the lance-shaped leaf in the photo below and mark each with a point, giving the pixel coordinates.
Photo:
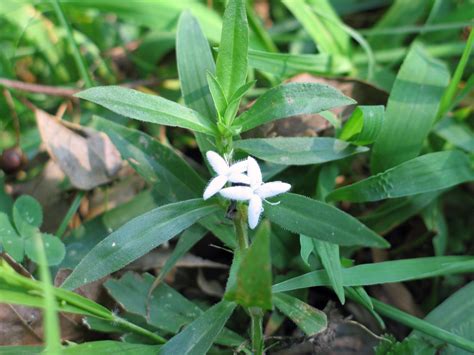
(289, 100)
(411, 109)
(158, 164)
(231, 65)
(315, 219)
(429, 172)
(253, 281)
(309, 319)
(149, 108)
(198, 336)
(384, 272)
(298, 151)
(194, 60)
(136, 238)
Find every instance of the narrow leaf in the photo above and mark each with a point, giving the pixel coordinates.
(289, 100)
(329, 254)
(136, 238)
(158, 164)
(194, 59)
(197, 337)
(430, 172)
(411, 109)
(231, 66)
(309, 319)
(149, 108)
(298, 151)
(384, 272)
(318, 220)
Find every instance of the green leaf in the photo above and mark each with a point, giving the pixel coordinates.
(456, 133)
(285, 65)
(298, 151)
(455, 314)
(21, 290)
(315, 219)
(165, 309)
(144, 13)
(309, 319)
(384, 272)
(325, 31)
(158, 164)
(251, 288)
(364, 125)
(231, 65)
(411, 109)
(424, 326)
(136, 238)
(27, 215)
(429, 172)
(11, 242)
(220, 101)
(290, 100)
(194, 59)
(53, 248)
(451, 90)
(401, 13)
(186, 241)
(197, 337)
(396, 211)
(18, 289)
(329, 254)
(149, 108)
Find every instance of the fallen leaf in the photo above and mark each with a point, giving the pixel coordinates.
(86, 156)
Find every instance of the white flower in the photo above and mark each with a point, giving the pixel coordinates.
(255, 193)
(225, 173)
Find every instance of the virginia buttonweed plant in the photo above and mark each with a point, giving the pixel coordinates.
(243, 203)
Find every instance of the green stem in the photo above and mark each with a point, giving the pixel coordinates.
(50, 312)
(81, 66)
(72, 210)
(422, 326)
(124, 324)
(257, 330)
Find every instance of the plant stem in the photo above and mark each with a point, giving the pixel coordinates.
(81, 66)
(423, 326)
(257, 330)
(138, 330)
(72, 209)
(51, 321)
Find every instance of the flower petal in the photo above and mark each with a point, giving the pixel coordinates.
(239, 178)
(238, 193)
(214, 186)
(254, 211)
(271, 189)
(218, 163)
(239, 167)
(254, 173)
